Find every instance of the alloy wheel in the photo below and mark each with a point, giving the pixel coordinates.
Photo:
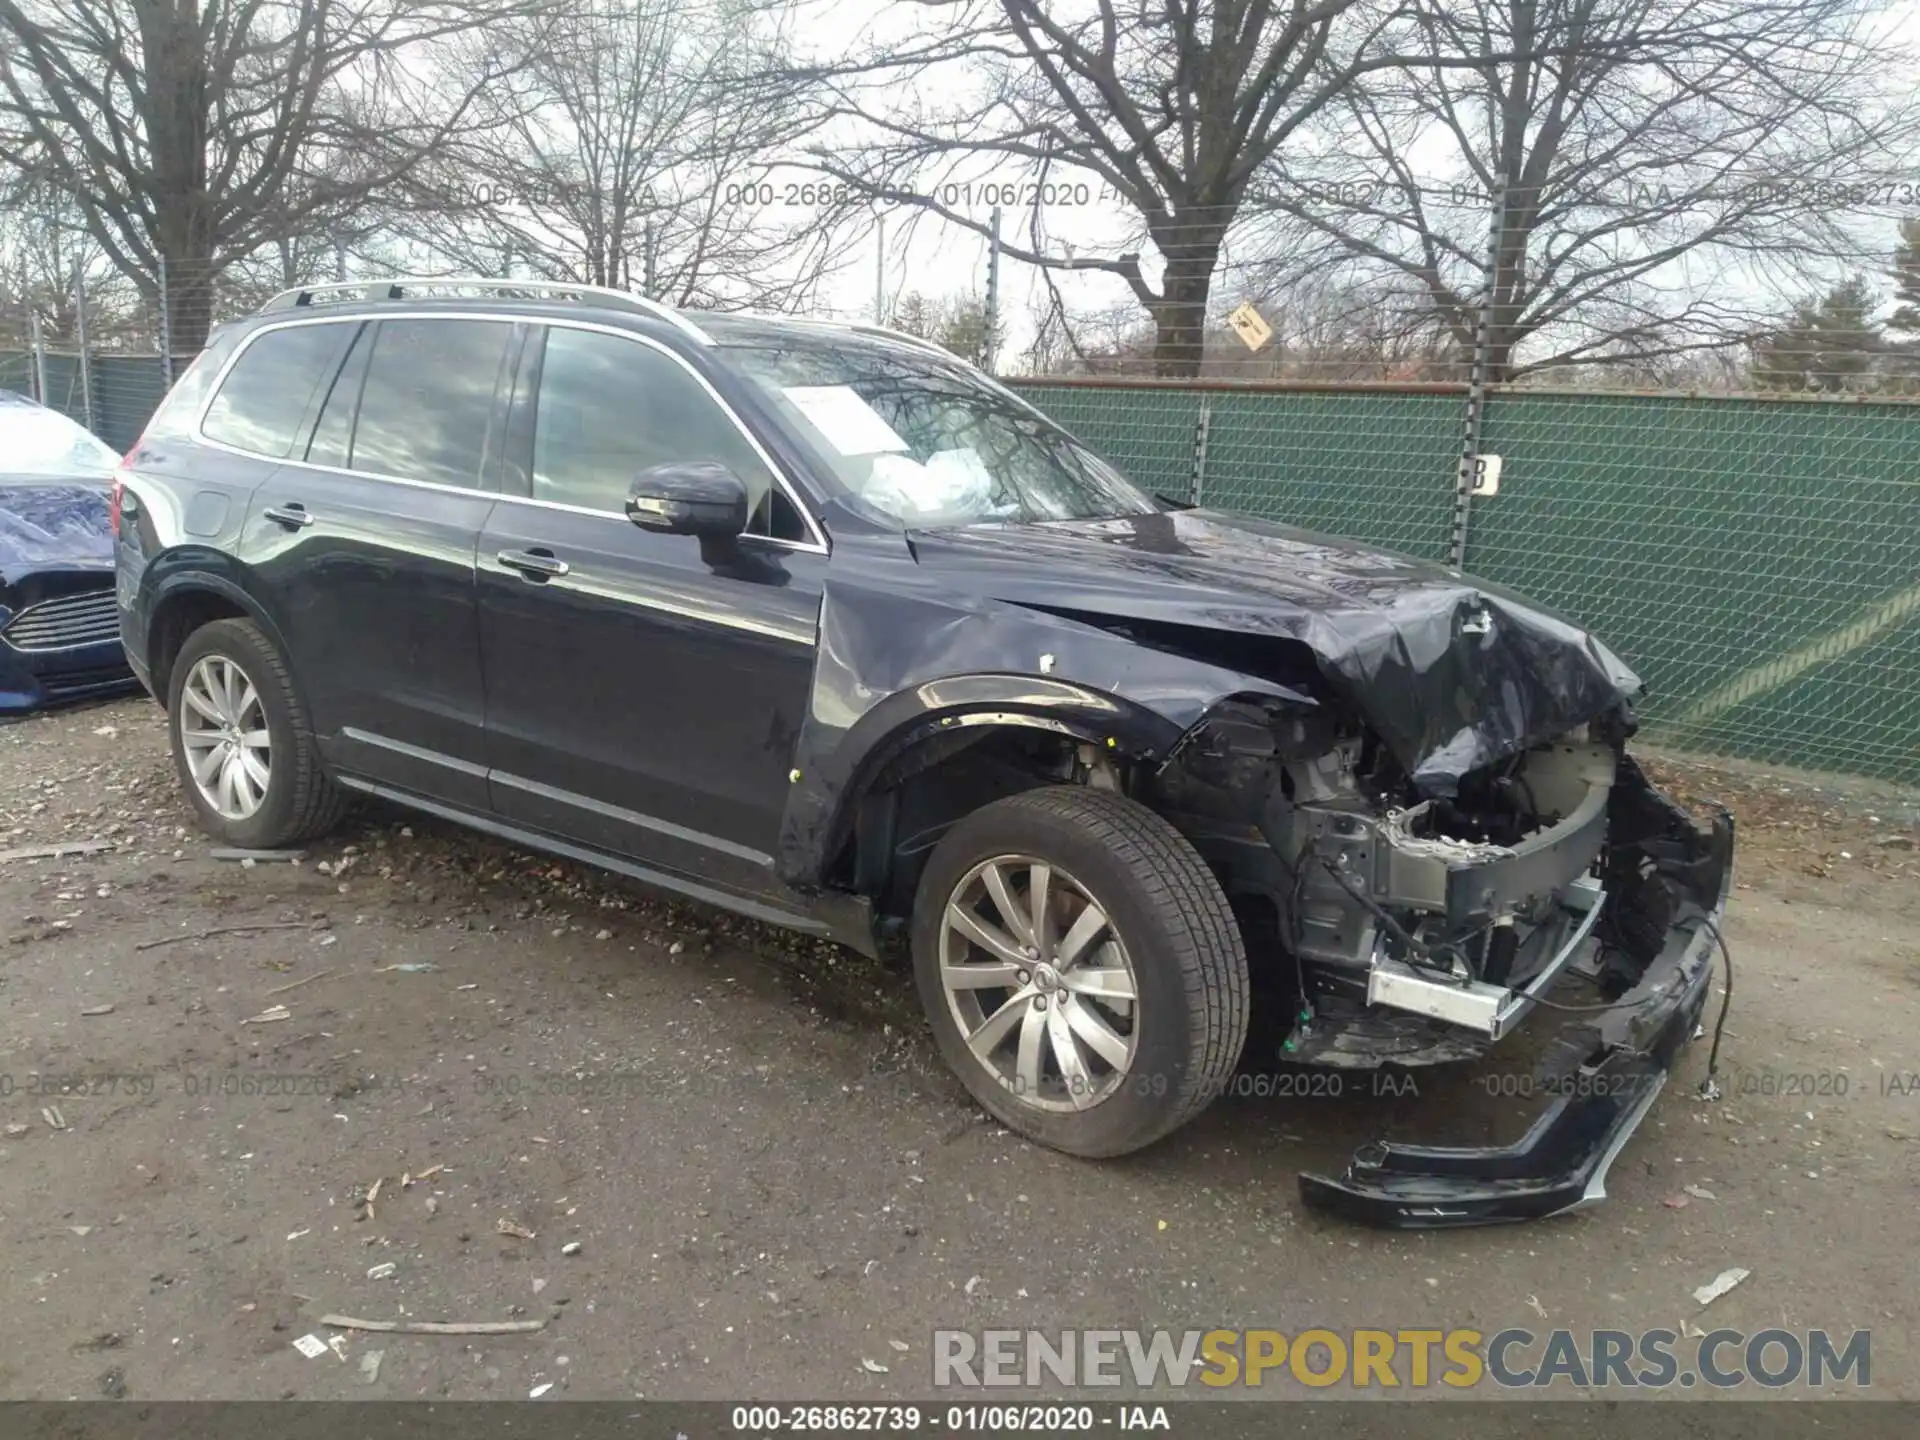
(223, 728)
(1039, 982)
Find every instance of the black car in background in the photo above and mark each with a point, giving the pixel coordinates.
(819, 624)
(59, 626)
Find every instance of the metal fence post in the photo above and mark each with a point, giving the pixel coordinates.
(166, 329)
(1202, 426)
(80, 338)
(39, 348)
(991, 345)
(1464, 476)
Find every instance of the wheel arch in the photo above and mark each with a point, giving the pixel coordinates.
(923, 726)
(183, 602)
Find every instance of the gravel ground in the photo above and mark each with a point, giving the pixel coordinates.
(772, 1184)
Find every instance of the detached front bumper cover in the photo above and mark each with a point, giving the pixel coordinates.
(1561, 1163)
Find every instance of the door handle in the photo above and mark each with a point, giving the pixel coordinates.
(293, 515)
(538, 566)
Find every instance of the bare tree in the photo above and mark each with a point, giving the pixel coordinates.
(1655, 169)
(1336, 325)
(198, 131)
(960, 323)
(1093, 340)
(43, 247)
(1169, 109)
(632, 149)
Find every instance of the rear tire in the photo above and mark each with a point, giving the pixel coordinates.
(1118, 1016)
(242, 744)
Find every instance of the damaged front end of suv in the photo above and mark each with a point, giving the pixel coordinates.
(1413, 788)
(1426, 929)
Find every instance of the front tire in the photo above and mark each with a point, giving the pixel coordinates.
(1080, 968)
(241, 741)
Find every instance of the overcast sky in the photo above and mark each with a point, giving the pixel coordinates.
(923, 253)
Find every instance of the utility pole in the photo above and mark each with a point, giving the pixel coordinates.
(339, 260)
(880, 271)
(990, 343)
(649, 263)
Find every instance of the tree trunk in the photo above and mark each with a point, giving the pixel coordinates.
(188, 297)
(177, 102)
(1180, 314)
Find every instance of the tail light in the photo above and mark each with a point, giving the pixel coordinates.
(120, 473)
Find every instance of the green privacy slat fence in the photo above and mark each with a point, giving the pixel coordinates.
(1756, 560)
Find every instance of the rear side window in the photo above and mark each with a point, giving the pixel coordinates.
(178, 413)
(427, 407)
(332, 442)
(263, 404)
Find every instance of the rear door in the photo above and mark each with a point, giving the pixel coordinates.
(643, 692)
(362, 550)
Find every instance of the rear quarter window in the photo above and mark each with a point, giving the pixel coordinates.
(427, 406)
(263, 404)
(181, 408)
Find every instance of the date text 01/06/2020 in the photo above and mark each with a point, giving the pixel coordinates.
(954, 195)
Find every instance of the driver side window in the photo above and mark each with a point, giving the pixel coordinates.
(610, 407)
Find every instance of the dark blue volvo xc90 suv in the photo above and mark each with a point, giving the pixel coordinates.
(818, 623)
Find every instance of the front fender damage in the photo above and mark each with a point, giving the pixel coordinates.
(893, 667)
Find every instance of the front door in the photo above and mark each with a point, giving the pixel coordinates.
(643, 697)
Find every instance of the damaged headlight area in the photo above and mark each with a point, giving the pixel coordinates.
(1408, 930)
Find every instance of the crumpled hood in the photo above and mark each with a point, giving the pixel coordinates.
(1451, 672)
(53, 524)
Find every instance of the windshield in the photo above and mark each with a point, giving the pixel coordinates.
(931, 444)
(40, 442)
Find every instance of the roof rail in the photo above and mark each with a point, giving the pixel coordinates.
(410, 287)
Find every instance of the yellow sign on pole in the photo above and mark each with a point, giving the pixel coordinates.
(1250, 326)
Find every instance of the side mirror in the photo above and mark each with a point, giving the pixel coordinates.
(689, 497)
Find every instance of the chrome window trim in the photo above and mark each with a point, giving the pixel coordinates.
(817, 545)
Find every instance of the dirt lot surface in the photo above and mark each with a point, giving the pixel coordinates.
(773, 1186)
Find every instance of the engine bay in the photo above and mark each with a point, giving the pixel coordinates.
(1461, 909)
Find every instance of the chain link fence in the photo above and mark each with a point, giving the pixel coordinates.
(104, 350)
(1756, 558)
